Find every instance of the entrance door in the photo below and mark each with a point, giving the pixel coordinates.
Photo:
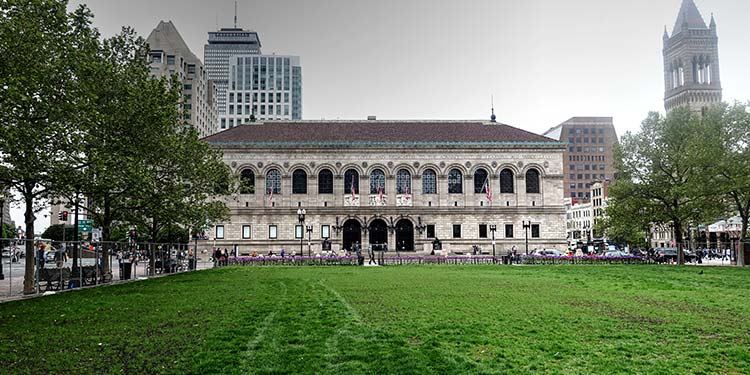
(352, 233)
(405, 235)
(378, 234)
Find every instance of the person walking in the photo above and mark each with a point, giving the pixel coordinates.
(371, 254)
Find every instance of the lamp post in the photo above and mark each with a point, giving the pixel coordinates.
(2, 232)
(526, 225)
(309, 229)
(75, 271)
(301, 216)
(493, 228)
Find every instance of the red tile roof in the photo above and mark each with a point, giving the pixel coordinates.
(376, 132)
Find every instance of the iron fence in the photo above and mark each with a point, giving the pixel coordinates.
(59, 265)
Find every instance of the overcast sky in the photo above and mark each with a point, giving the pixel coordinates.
(544, 60)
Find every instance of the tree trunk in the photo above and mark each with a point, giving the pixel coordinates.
(151, 260)
(744, 213)
(106, 229)
(28, 278)
(678, 240)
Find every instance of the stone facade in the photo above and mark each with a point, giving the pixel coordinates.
(169, 55)
(398, 210)
(691, 62)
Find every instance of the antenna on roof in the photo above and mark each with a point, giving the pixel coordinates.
(235, 14)
(492, 104)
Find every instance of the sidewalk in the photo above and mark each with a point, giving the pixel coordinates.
(12, 287)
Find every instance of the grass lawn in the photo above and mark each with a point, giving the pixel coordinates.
(347, 320)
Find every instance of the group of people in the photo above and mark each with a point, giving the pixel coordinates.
(221, 258)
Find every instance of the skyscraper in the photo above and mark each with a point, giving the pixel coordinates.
(168, 55)
(267, 86)
(221, 46)
(691, 62)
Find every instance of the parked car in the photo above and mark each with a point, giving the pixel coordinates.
(615, 254)
(666, 254)
(549, 253)
(9, 251)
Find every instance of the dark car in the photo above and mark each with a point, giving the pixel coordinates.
(665, 254)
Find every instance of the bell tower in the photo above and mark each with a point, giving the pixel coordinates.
(691, 62)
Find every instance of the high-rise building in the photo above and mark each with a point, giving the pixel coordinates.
(691, 62)
(591, 141)
(169, 55)
(268, 87)
(222, 45)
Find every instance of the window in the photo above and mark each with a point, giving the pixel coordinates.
(299, 182)
(532, 181)
(325, 231)
(170, 59)
(480, 179)
(187, 86)
(351, 181)
(506, 181)
(219, 232)
(455, 182)
(247, 181)
(325, 182)
(534, 230)
(272, 232)
(430, 230)
(508, 230)
(273, 182)
(403, 182)
(377, 182)
(429, 182)
(482, 230)
(456, 230)
(245, 231)
(299, 231)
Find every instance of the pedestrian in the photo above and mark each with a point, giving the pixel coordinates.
(225, 254)
(371, 254)
(217, 257)
(283, 253)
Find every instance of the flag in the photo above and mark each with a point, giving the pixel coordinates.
(352, 185)
(487, 189)
(380, 192)
(270, 193)
(406, 191)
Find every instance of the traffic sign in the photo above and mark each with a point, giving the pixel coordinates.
(85, 225)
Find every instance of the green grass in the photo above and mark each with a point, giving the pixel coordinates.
(347, 320)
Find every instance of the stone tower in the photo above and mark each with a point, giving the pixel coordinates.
(691, 62)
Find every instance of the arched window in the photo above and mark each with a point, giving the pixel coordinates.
(506, 181)
(480, 178)
(429, 182)
(273, 182)
(299, 182)
(455, 182)
(247, 181)
(351, 180)
(377, 180)
(532, 181)
(325, 182)
(403, 182)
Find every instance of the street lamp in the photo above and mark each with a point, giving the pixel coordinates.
(526, 225)
(301, 216)
(493, 228)
(309, 229)
(2, 232)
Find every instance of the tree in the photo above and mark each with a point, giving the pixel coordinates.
(727, 137)
(46, 56)
(661, 174)
(55, 233)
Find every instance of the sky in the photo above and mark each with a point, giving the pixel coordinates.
(544, 61)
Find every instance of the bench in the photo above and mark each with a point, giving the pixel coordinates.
(51, 278)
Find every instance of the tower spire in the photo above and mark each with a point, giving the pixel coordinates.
(235, 14)
(492, 105)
